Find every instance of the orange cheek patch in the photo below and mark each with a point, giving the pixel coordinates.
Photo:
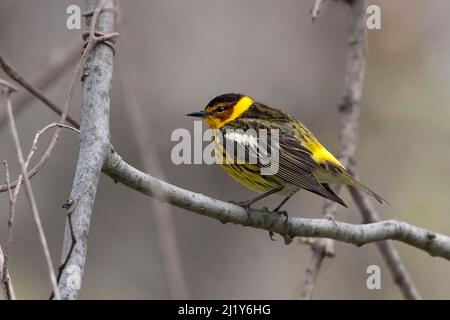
(226, 114)
(217, 120)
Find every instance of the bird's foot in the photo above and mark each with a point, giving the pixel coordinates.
(244, 204)
(271, 234)
(283, 214)
(280, 213)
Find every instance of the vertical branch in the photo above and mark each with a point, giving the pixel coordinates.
(6, 283)
(348, 141)
(163, 219)
(319, 252)
(94, 142)
(315, 10)
(57, 65)
(29, 191)
(10, 71)
(349, 111)
(4, 257)
(387, 248)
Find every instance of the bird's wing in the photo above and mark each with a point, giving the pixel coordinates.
(295, 164)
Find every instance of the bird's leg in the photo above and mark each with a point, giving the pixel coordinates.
(246, 204)
(281, 213)
(277, 209)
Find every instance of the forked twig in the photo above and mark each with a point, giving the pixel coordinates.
(94, 144)
(93, 40)
(12, 72)
(29, 191)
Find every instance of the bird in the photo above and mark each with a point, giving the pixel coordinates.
(303, 162)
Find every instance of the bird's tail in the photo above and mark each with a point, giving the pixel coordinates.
(349, 180)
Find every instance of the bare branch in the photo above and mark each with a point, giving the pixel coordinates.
(7, 285)
(387, 249)
(30, 194)
(348, 141)
(315, 10)
(94, 142)
(10, 71)
(163, 218)
(320, 248)
(90, 45)
(426, 240)
(349, 111)
(433, 243)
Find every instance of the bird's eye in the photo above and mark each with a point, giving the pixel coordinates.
(220, 109)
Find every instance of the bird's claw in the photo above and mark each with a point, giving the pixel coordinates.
(244, 204)
(271, 234)
(283, 214)
(280, 213)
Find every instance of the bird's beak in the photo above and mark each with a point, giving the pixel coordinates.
(199, 114)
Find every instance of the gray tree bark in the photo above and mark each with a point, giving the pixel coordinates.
(94, 142)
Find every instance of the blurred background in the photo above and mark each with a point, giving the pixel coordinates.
(172, 58)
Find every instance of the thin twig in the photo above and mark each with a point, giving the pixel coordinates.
(42, 131)
(315, 10)
(30, 194)
(387, 248)
(7, 285)
(78, 71)
(11, 218)
(55, 66)
(10, 71)
(6, 282)
(70, 206)
(14, 193)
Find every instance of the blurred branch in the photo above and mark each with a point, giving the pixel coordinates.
(6, 283)
(34, 91)
(315, 10)
(94, 138)
(5, 278)
(348, 141)
(434, 243)
(14, 193)
(68, 98)
(349, 111)
(387, 249)
(28, 189)
(59, 65)
(94, 143)
(321, 248)
(163, 218)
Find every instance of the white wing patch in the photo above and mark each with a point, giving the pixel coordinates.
(242, 138)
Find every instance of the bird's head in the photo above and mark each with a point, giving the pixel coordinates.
(223, 109)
